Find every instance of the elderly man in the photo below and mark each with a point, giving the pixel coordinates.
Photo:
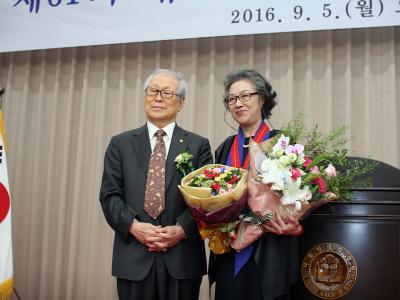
(158, 253)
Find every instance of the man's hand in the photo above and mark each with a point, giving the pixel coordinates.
(142, 231)
(165, 237)
(278, 226)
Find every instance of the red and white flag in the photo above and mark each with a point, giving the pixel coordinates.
(6, 260)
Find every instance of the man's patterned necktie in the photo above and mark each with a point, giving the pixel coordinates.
(154, 199)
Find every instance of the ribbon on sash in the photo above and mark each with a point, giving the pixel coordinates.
(236, 159)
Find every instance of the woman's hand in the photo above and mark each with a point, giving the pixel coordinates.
(278, 226)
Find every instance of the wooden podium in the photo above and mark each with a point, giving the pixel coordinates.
(351, 250)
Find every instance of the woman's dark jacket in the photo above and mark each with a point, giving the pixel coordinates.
(276, 256)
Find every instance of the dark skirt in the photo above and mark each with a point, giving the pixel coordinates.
(246, 284)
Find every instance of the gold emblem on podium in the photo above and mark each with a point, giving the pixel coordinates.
(329, 271)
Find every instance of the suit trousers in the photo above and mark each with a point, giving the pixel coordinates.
(159, 285)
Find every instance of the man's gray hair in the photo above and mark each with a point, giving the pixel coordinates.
(182, 83)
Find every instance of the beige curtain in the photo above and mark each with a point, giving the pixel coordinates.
(62, 106)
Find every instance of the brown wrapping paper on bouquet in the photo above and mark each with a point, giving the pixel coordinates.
(216, 216)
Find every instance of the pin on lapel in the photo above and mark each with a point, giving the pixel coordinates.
(181, 140)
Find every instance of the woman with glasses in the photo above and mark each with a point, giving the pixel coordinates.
(267, 268)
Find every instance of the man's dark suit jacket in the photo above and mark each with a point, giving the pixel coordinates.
(122, 196)
(276, 256)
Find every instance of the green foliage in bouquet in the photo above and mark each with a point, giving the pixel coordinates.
(325, 149)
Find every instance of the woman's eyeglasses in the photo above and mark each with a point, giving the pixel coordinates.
(244, 97)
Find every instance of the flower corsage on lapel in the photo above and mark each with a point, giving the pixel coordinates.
(184, 163)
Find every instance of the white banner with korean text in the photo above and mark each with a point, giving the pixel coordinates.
(41, 24)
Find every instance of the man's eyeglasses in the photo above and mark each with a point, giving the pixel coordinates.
(244, 97)
(165, 94)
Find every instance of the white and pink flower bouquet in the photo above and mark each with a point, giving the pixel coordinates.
(295, 172)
